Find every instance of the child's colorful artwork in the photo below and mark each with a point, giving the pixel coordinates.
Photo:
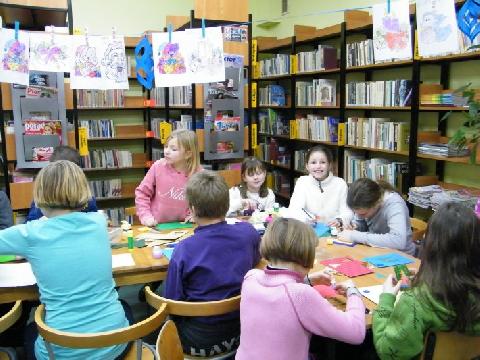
(85, 72)
(391, 31)
(114, 63)
(205, 58)
(169, 59)
(50, 52)
(14, 57)
(437, 27)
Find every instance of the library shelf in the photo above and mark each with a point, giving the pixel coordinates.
(392, 64)
(441, 108)
(474, 55)
(452, 159)
(317, 72)
(274, 106)
(113, 169)
(404, 153)
(273, 77)
(133, 137)
(318, 107)
(284, 137)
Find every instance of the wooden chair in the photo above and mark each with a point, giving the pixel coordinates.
(168, 343)
(185, 308)
(6, 321)
(451, 345)
(133, 332)
(418, 229)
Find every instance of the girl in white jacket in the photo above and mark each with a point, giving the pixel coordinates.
(320, 195)
(252, 193)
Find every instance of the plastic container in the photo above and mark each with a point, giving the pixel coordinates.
(157, 252)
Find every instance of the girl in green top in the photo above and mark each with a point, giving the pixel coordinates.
(445, 293)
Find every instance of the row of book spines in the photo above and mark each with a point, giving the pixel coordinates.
(100, 98)
(110, 158)
(106, 188)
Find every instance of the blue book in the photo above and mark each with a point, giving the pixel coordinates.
(386, 260)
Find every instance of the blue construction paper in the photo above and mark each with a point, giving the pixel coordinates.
(386, 260)
(321, 229)
(168, 252)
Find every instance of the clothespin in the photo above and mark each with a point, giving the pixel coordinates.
(388, 6)
(17, 28)
(114, 31)
(86, 36)
(52, 32)
(169, 28)
(203, 28)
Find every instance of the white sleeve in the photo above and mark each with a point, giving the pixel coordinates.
(344, 212)
(298, 200)
(270, 200)
(235, 200)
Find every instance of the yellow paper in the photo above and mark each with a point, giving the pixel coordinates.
(82, 141)
(254, 94)
(254, 50)
(254, 136)
(341, 134)
(293, 64)
(293, 129)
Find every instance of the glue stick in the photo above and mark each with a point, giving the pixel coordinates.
(130, 240)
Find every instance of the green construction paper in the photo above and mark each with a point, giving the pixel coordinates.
(137, 244)
(174, 226)
(6, 258)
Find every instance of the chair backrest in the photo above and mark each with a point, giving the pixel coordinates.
(168, 343)
(451, 345)
(100, 339)
(185, 308)
(418, 228)
(232, 177)
(11, 316)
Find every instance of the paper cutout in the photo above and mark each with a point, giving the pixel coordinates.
(347, 266)
(14, 57)
(321, 229)
(386, 260)
(144, 63)
(173, 235)
(174, 225)
(436, 27)
(50, 53)
(325, 291)
(122, 260)
(391, 31)
(7, 258)
(168, 252)
(114, 63)
(18, 274)
(468, 19)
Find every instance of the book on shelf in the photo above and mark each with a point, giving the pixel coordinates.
(273, 122)
(273, 153)
(277, 64)
(278, 182)
(106, 188)
(273, 95)
(317, 128)
(107, 159)
(378, 133)
(379, 93)
(99, 128)
(180, 96)
(317, 92)
(323, 58)
(100, 98)
(116, 215)
(360, 53)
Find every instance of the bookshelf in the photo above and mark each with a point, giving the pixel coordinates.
(417, 120)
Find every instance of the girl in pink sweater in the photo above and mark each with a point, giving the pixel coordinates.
(279, 312)
(160, 197)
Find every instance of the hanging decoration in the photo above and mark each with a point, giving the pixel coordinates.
(14, 48)
(50, 52)
(144, 63)
(469, 18)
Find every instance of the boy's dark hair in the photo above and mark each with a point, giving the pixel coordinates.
(207, 193)
(450, 267)
(63, 152)
(250, 166)
(364, 193)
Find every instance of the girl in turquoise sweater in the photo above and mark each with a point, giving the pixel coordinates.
(445, 293)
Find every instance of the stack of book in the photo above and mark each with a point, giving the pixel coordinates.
(100, 98)
(324, 58)
(316, 127)
(278, 64)
(99, 128)
(360, 53)
(317, 92)
(180, 96)
(106, 188)
(444, 150)
(379, 93)
(273, 123)
(272, 95)
(107, 159)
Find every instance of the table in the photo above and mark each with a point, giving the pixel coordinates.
(358, 252)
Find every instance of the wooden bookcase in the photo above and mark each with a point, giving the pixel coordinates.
(357, 25)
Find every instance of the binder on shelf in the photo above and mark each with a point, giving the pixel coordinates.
(341, 134)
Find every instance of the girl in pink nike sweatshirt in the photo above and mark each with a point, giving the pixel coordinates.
(279, 312)
(160, 197)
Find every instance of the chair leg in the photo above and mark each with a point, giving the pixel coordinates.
(430, 346)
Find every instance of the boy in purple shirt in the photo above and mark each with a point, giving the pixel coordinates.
(210, 265)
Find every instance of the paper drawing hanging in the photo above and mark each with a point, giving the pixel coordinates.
(205, 58)
(468, 19)
(50, 52)
(14, 57)
(169, 59)
(114, 63)
(436, 27)
(85, 72)
(391, 31)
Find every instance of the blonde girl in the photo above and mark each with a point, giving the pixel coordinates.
(252, 193)
(71, 258)
(160, 197)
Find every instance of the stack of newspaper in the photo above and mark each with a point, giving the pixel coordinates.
(433, 196)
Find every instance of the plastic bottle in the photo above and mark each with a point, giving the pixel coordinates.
(131, 242)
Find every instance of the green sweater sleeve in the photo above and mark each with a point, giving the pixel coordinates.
(398, 330)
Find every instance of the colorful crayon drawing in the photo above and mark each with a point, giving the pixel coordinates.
(395, 37)
(51, 55)
(170, 59)
(86, 62)
(115, 62)
(15, 57)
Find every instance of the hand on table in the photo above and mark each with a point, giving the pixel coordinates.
(249, 204)
(343, 286)
(320, 278)
(391, 285)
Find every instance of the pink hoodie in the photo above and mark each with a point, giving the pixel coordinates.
(161, 194)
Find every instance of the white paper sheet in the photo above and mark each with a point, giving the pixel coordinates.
(437, 27)
(85, 72)
(18, 274)
(392, 31)
(121, 260)
(113, 63)
(50, 52)
(172, 235)
(14, 57)
(373, 293)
